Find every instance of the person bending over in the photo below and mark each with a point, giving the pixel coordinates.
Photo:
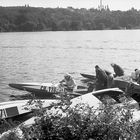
(101, 78)
(117, 69)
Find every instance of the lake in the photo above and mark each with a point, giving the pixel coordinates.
(47, 56)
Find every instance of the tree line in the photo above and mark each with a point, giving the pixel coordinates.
(27, 18)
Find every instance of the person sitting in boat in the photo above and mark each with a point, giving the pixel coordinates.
(135, 75)
(68, 82)
(117, 69)
(101, 78)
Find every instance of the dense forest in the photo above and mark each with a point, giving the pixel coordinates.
(27, 18)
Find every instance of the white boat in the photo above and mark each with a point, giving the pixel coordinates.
(16, 108)
(47, 89)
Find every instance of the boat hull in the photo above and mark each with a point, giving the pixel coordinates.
(45, 90)
(22, 107)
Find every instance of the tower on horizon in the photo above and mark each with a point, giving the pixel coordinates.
(100, 3)
(101, 6)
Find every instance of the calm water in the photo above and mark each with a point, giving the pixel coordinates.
(47, 56)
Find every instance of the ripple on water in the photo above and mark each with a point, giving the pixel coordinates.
(47, 56)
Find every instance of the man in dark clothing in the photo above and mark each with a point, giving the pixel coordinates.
(101, 78)
(117, 69)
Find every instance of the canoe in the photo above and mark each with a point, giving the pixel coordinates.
(89, 76)
(22, 107)
(46, 89)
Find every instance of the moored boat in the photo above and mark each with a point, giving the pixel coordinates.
(16, 108)
(47, 89)
(124, 82)
(89, 76)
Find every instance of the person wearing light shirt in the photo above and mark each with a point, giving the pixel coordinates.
(68, 82)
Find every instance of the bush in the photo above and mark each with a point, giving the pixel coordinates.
(6, 124)
(10, 136)
(82, 122)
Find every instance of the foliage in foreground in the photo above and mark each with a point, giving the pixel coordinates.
(82, 123)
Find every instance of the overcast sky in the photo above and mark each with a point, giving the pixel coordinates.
(113, 4)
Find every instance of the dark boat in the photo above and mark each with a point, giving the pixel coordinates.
(89, 76)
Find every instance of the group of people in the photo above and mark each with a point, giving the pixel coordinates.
(104, 78)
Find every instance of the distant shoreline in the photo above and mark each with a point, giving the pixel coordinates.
(32, 19)
(70, 30)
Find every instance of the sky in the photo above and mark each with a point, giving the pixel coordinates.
(113, 4)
